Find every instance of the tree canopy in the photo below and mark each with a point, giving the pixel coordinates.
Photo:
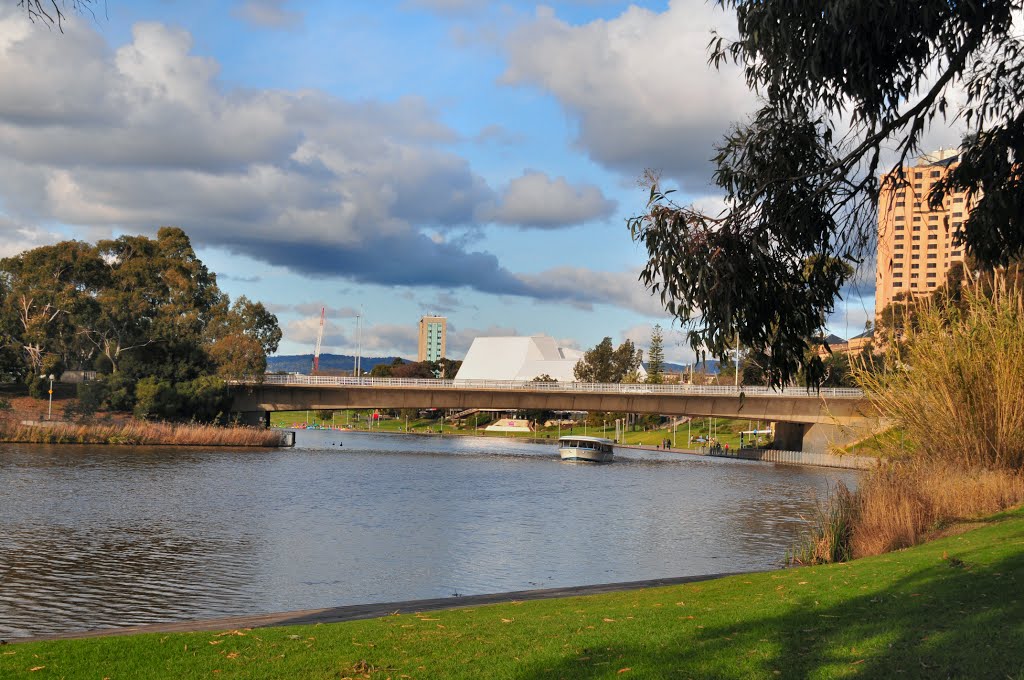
(841, 85)
(145, 312)
(603, 364)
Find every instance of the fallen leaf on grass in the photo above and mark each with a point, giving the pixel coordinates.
(216, 642)
(624, 670)
(857, 662)
(507, 620)
(608, 620)
(231, 632)
(37, 668)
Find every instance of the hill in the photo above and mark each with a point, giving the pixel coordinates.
(301, 363)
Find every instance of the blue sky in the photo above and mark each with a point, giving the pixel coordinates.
(393, 159)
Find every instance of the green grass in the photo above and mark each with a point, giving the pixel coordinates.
(950, 608)
(726, 431)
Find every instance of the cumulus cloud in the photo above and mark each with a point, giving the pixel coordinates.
(639, 85)
(267, 13)
(535, 200)
(585, 287)
(143, 136)
(16, 238)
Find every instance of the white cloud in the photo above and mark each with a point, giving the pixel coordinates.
(538, 201)
(639, 85)
(587, 287)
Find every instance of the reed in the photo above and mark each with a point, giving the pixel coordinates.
(954, 383)
(953, 386)
(137, 432)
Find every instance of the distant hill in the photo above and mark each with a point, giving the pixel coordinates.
(302, 363)
(709, 366)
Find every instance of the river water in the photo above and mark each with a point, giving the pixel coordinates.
(95, 537)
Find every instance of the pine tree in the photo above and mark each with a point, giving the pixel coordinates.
(656, 356)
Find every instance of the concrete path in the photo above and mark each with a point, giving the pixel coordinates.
(372, 611)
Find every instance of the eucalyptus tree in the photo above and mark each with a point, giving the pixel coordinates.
(841, 85)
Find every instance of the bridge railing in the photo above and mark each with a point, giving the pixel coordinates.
(589, 388)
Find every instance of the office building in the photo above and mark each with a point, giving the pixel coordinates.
(433, 338)
(915, 243)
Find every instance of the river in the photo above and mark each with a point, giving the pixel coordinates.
(95, 537)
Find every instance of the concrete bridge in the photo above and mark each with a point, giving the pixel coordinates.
(805, 421)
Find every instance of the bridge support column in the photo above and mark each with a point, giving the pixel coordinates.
(818, 438)
(253, 418)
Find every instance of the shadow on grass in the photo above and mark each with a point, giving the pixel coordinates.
(953, 619)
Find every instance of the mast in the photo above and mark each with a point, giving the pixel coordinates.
(319, 340)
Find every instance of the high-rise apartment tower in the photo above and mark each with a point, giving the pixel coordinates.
(433, 338)
(915, 243)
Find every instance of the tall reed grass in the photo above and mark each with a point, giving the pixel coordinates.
(953, 383)
(139, 433)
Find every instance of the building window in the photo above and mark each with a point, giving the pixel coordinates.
(934, 173)
(917, 204)
(918, 175)
(932, 237)
(915, 257)
(932, 256)
(913, 276)
(898, 237)
(917, 227)
(931, 265)
(958, 199)
(933, 218)
(917, 186)
(917, 218)
(899, 227)
(955, 253)
(915, 237)
(897, 284)
(958, 214)
(901, 204)
(914, 266)
(899, 246)
(900, 218)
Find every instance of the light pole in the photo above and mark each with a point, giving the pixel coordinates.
(357, 368)
(49, 408)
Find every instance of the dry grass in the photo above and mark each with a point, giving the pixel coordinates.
(900, 505)
(139, 433)
(953, 387)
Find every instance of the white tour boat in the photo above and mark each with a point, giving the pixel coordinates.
(587, 449)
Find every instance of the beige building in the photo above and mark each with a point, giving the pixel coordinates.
(915, 243)
(433, 338)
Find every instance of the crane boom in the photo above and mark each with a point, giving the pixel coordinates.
(319, 340)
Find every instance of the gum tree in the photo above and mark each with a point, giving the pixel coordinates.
(847, 91)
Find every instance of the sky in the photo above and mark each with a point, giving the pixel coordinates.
(386, 159)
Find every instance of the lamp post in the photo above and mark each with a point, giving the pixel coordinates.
(49, 408)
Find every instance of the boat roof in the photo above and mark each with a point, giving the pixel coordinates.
(580, 438)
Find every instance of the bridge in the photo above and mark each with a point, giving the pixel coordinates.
(805, 420)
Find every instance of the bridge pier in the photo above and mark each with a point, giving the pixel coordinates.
(815, 437)
(253, 418)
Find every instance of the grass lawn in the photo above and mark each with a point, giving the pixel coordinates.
(726, 431)
(950, 608)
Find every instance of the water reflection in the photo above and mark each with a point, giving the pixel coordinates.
(101, 536)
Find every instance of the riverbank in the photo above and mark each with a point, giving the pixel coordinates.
(137, 433)
(951, 607)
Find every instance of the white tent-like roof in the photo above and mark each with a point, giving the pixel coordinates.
(518, 358)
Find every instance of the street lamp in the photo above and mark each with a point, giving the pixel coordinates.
(49, 408)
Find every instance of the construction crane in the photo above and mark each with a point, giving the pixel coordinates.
(319, 340)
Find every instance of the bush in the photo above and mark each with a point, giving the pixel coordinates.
(156, 398)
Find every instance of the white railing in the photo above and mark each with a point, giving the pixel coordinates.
(589, 388)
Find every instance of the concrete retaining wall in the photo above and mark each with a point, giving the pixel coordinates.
(800, 458)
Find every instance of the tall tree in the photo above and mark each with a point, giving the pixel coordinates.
(656, 356)
(605, 364)
(801, 193)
